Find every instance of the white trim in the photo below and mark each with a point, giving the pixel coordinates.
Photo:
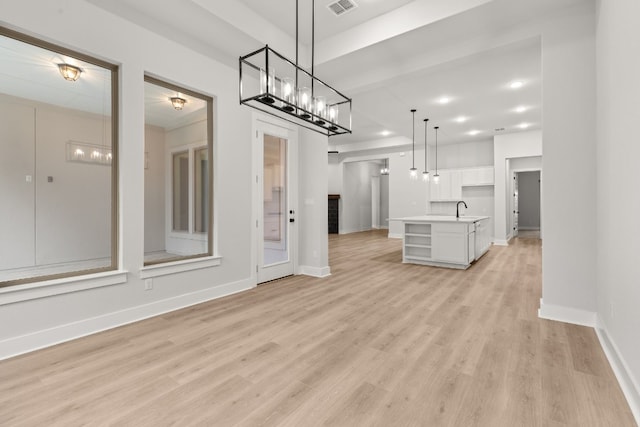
(349, 231)
(567, 314)
(498, 242)
(179, 266)
(629, 385)
(395, 236)
(30, 342)
(308, 270)
(30, 291)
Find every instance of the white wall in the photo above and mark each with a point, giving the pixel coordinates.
(36, 322)
(618, 206)
(312, 220)
(462, 155)
(384, 201)
(569, 161)
(356, 196)
(507, 147)
(529, 200)
(406, 197)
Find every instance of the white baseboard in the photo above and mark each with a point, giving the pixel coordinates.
(567, 314)
(529, 228)
(395, 236)
(499, 242)
(308, 270)
(23, 344)
(630, 386)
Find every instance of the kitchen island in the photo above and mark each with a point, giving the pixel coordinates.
(444, 241)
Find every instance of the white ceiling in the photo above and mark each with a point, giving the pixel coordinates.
(30, 72)
(388, 55)
(281, 13)
(158, 110)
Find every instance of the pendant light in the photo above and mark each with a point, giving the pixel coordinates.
(436, 177)
(385, 169)
(275, 85)
(425, 173)
(413, 172)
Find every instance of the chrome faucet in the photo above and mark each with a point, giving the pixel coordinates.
(458, 207)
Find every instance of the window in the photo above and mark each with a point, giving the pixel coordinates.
(58, 161)
(178, 175)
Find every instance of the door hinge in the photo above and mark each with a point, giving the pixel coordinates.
(256, 268)
(256, 223)
(256, 134)
(256, 179)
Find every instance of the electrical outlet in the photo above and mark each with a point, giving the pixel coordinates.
(148, 284)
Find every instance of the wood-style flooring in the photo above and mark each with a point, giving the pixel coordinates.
(378, 343)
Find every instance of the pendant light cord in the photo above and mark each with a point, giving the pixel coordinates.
(436, 128)
(297, 44)
(313, 42)
(426, 167)
(413, 140)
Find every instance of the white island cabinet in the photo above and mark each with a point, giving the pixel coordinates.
(444, 241)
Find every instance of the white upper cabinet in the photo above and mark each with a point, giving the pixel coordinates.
(477, 176)
(452, 180)
(449, 187)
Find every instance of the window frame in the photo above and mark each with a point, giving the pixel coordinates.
(115, 129)
(209, 145)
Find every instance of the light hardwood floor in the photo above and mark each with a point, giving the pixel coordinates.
(378, 343)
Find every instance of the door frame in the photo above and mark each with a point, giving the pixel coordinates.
(281, 128)
(510, 187)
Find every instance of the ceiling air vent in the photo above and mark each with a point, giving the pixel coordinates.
(341, 7)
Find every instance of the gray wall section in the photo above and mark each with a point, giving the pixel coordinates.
(68, 218)
(154, 189)
(529, 200)
(17, 161)
(384, 201)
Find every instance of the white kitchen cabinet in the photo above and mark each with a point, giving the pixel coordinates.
(450, 242)
(477, 176)
(444, 241)
(482, 238)
(416, 242)
(449, 186)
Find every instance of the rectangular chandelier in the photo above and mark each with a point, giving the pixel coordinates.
(273, 84)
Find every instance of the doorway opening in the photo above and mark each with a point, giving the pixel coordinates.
(526, 201)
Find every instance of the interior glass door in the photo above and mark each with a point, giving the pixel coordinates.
(276, 218)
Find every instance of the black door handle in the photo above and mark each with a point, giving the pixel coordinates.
(292, 220)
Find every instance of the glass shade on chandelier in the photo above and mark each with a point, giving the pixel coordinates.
(385, 168)
(273, 84)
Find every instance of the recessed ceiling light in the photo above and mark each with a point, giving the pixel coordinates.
(516, 84)
(385, 133)
(444, 100)
(524, 125)
(461, 119)
(521, 109)
(473, 132)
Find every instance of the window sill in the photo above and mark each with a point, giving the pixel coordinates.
(26, 292)
(179, 266)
